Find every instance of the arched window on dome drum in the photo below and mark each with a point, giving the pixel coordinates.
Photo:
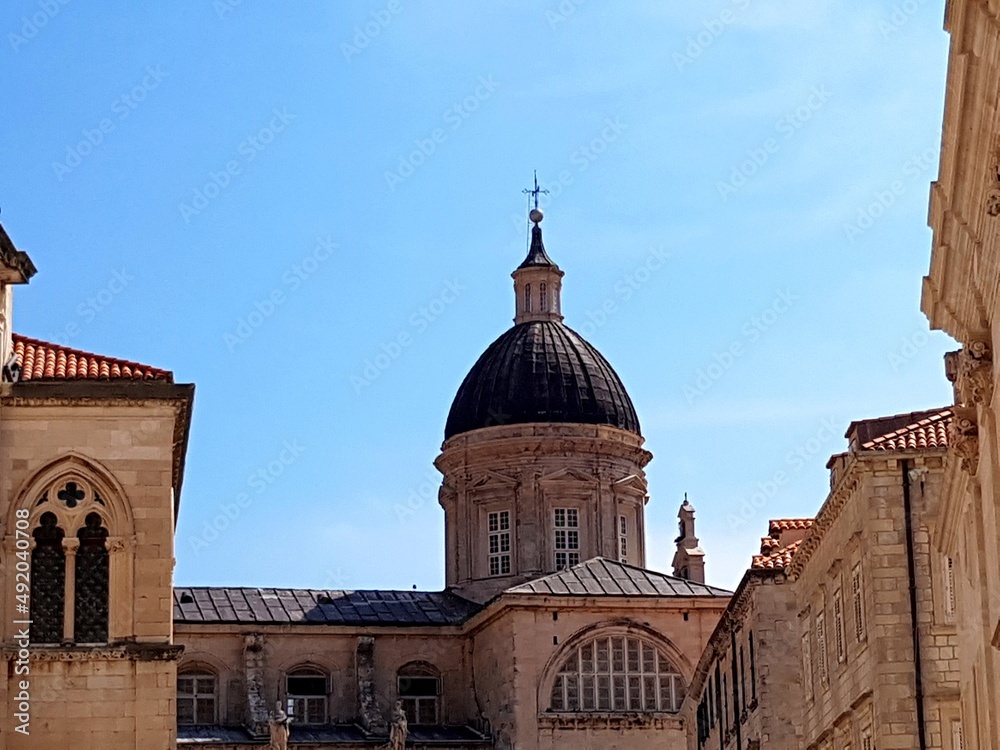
(527, 297)
(617, 673)
(48, 581)
(91, 602)
(543, 297)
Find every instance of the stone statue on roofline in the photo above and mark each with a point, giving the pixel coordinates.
(398, 729)
(278, 724)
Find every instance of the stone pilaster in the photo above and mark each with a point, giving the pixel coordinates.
(255, 663)
(368, 709)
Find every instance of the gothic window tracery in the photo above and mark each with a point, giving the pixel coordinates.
(70, 564)
(617, 673)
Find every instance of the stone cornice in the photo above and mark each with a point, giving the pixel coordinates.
(15, 265)
(516, 441)
(128, 393)
(113, 652)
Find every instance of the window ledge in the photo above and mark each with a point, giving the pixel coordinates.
(610, 720)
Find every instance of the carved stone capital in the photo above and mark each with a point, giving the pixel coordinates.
(971, 372)
(963, 438)
(116, 544)
(993, 203)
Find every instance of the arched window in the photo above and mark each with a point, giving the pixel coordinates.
(527, 298)
(196, 697)
(419, 690)
(617, 673)
(48, 581)
(306, 692)
(91, 600)
(543, 298)
(74, 507)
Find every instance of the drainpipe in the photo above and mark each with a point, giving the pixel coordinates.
(736, 689)
(911, 571)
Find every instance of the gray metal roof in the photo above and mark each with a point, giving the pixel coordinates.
(603, 577)
(310, 607)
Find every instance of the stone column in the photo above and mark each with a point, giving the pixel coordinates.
(70, 545)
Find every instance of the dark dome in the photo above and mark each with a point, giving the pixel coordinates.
(541, 371)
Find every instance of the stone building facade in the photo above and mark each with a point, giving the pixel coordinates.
(960, 297)
(551, 632)
(843, 632)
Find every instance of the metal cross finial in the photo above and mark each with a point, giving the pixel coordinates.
(534, 193)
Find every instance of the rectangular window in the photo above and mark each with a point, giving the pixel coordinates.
(307, 698)
(807, 666)
(567, 537)
(753, 670)
(949, 589)
(821, 655)
(622, 539)
(725, 701)
(718, 697)
(196, 699)
(840, 637)
(419, 696)
(499, 542)
(711, 703)
(743, 682)
(858, 593)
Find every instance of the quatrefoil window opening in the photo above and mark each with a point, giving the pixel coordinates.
(71, 494)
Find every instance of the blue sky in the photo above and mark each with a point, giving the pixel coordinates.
(269, 199)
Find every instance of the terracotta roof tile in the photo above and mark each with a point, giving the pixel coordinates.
(40, 360)
(778, 525)
(778, 560)
(768, 545)
(928, 432)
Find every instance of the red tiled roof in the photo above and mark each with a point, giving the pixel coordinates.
(40, 360)
(928, 432)
(768, 544)
(778, 525)
(778, 560)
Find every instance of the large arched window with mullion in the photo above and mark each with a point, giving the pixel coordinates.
(617, 673)
(48, 581)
